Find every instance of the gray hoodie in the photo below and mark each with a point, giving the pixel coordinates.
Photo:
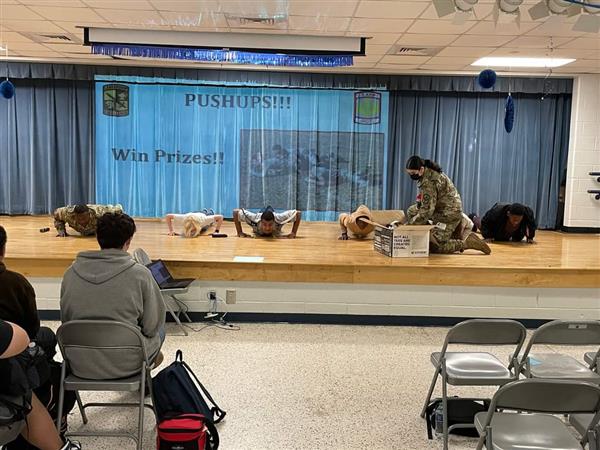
(110, 285)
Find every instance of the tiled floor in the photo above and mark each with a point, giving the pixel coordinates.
(305, 386)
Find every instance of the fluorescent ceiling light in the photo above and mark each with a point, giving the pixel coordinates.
(492, 61)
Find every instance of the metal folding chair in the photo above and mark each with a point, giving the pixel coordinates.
(557, 365)
(140, 256)
(474, 368)
(94, 353)
(513, 429)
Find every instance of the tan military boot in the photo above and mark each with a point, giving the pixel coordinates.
(473, 242)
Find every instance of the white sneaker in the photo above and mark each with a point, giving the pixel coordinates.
(71, 446)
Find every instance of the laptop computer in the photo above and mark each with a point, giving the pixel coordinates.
(164, 278)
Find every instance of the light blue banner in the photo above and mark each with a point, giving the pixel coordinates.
(173, 147)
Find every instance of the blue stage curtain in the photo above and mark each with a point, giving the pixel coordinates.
(465, 134)
(46, 146)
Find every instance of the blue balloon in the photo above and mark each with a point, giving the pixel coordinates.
(7, 89)
(487, 78)
(509, 114)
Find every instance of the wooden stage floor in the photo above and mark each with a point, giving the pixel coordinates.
(557, 260)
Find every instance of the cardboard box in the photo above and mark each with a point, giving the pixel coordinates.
(403, 241)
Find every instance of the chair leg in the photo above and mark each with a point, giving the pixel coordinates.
(140, 434)
(445, 406)
(175, 317)
(61, 396)
(430, 393)
(81, 408)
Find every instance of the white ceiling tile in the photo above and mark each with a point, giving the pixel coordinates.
(554, 29)
(117, 16)
(537, 41)
(368, 58)
(68, 14)
(473, 52)
(543, 53)
(397, 59)
(11, 36)
(330, 24)
(390, 9)
(253, 8)
(477, 40)
(483, 11)
(450, 61)
(24, 47)
(336, 8)
(426, 39)
(45, 54)
(431, 14)
(182, 19)
(69, 48)
(443, 67)
(377, 49)
(259, 31)
(19, 12)
(582, 43)
(42, 26)
(123, 5)
(380, 25)
(377, 38)
(186, 5)
(502, 29)
(74, 27)
(55, 3)
(439, 27)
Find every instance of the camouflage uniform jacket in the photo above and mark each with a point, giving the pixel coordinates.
(65, 215)
(439, 200)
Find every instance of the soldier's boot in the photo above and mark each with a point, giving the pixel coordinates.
(473, 242)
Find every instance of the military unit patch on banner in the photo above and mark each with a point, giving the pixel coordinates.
(115, 100)
(367, 108)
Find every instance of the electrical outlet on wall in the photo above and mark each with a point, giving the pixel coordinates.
(230, 296)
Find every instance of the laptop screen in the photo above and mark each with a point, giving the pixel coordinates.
(159, 272)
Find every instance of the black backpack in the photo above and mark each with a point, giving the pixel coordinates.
(460, 410)
(177, 390)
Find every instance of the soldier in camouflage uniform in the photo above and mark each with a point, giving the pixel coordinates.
(439, 203)
(82, 218)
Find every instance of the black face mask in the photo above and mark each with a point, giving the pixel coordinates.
(415, 176)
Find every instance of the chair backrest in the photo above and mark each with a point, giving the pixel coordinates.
(568, 332)
(548, 396)
(140, 256)
(487, 332)
(564, 332)
(102, 349)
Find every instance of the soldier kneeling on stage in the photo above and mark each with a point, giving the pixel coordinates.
(82, 218)
(267, 223)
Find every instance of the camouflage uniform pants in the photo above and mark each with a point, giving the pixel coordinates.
(440, 240)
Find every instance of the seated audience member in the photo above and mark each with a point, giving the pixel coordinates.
(193, 224)
(82, 218)
(39, 429)
(355, 224)
(107, 284)
(17, 304)
(506, 222)
(267, 223)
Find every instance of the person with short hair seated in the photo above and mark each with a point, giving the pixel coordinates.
(82, 218)
(193, 224)
(509, 222)
(39, 429)
(267, 223)
(108, 284)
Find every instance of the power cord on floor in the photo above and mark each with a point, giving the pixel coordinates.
(215, 321)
